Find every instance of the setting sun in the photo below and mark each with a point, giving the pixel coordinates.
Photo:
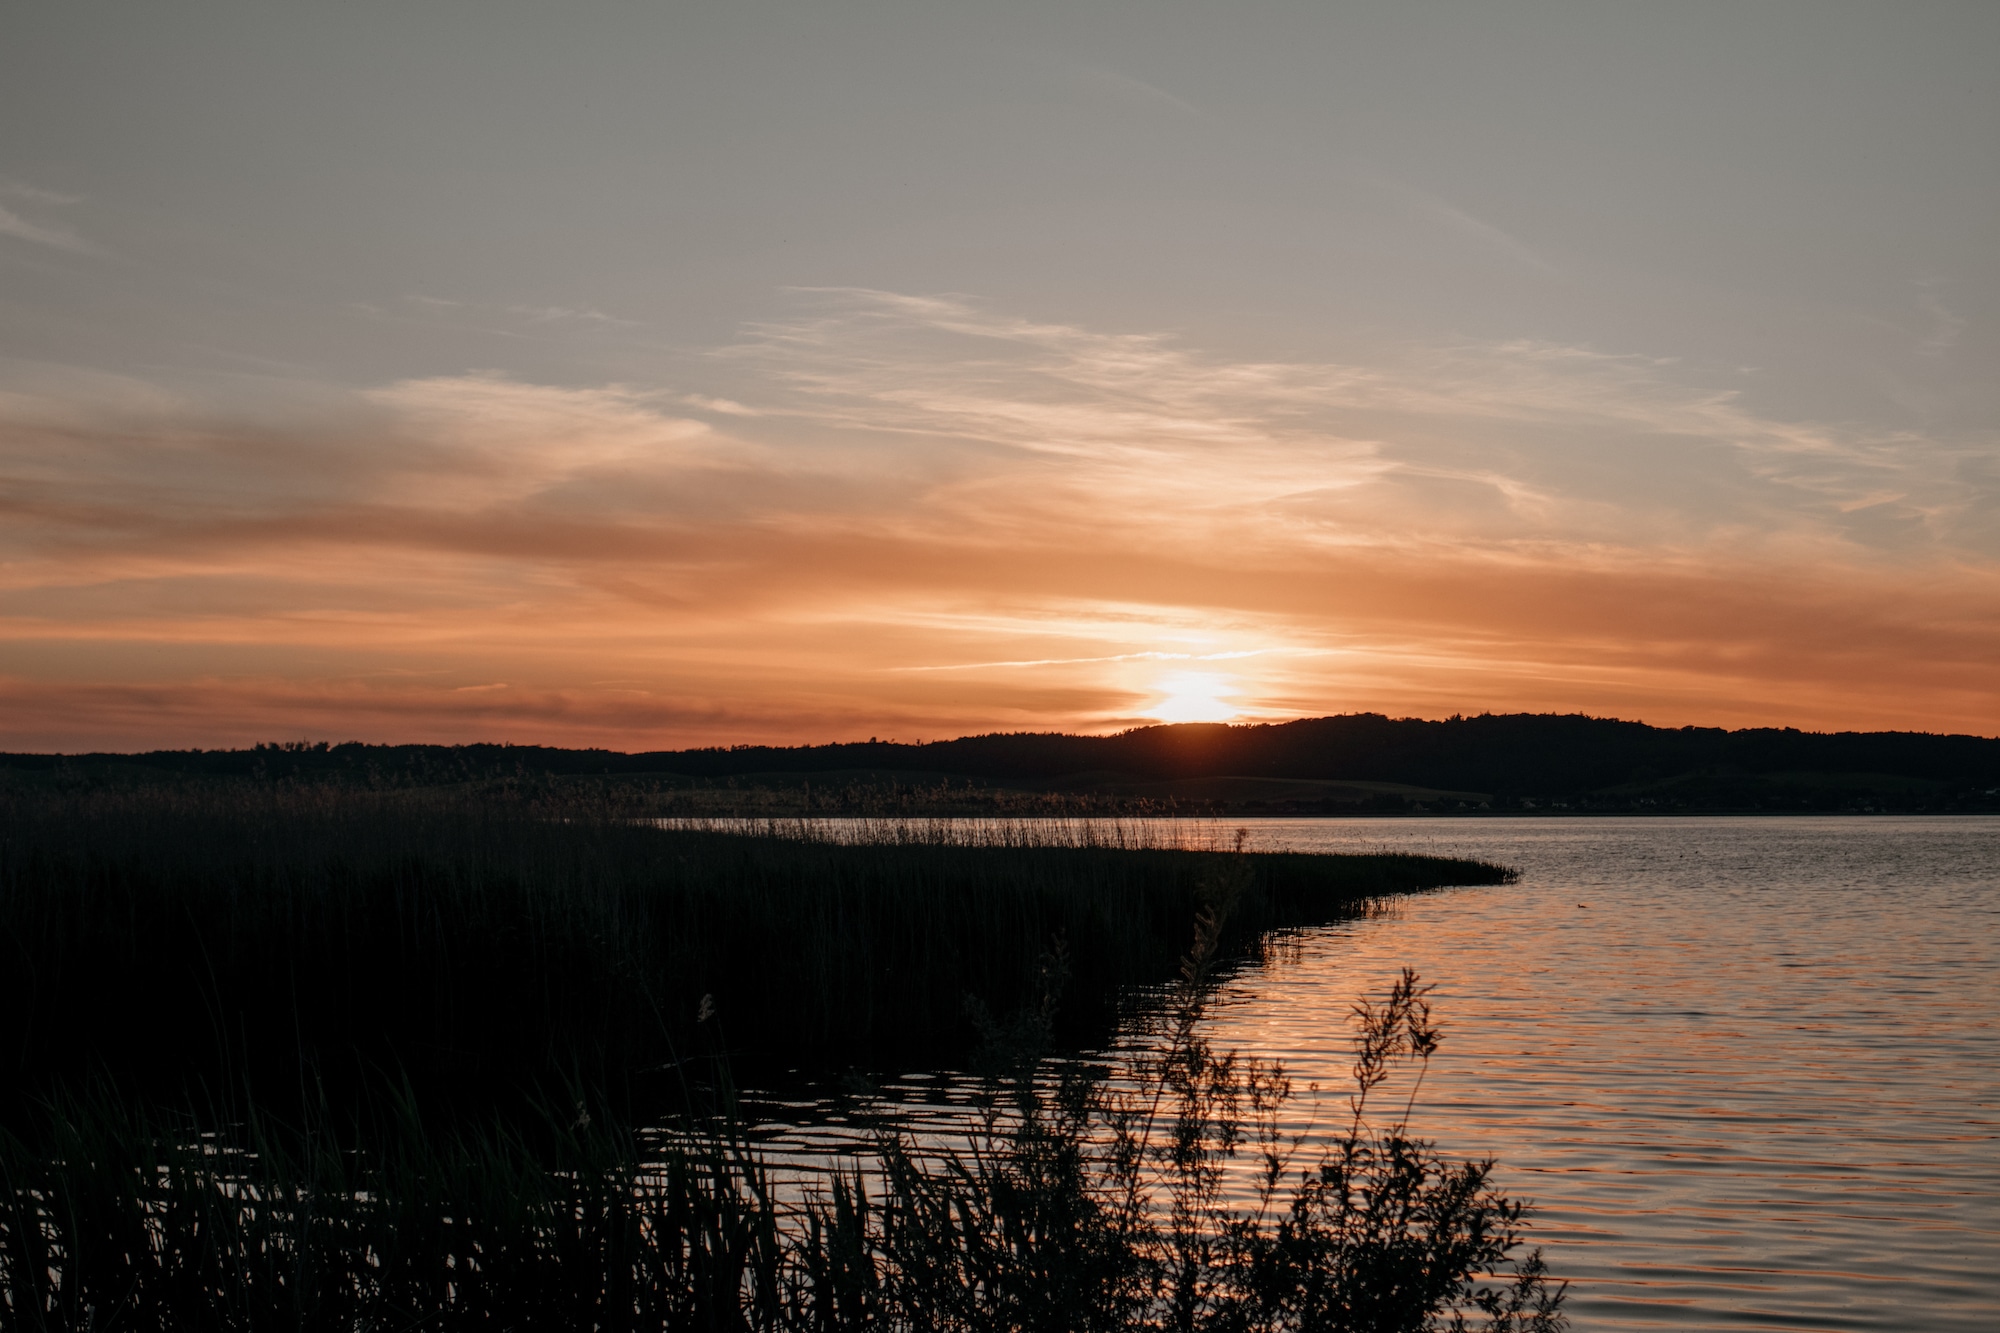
(1195, 696)
(720, 545)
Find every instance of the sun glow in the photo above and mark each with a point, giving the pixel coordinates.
(1195, 696)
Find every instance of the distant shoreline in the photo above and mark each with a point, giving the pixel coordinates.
(1360, 764)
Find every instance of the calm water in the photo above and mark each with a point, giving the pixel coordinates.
(1749, 1069)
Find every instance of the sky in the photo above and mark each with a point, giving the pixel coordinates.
(654, 375)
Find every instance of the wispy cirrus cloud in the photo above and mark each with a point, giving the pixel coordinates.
(910, 515)
(53, 235)
(1483, 235)
(16, 195)
(1103, 82)
(1523, 441)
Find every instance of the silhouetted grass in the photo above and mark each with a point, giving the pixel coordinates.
(115, 1219)
(1083, 1202)
(286, 934)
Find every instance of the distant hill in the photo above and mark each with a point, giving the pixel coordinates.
(1361, 762)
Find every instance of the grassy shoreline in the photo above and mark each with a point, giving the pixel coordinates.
(283, 935)
(320, 1058)
(1081, 1201)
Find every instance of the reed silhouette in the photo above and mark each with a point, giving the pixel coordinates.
(1087, 1198)
(469, 940)
(326, 1058)
(1159, 1192)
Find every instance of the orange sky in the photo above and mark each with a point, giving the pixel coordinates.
(666, 375)
(918, 517)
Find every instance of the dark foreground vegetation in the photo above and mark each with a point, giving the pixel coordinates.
(281, 933)
(1167, 1198)
(1357, 764)
(322, 1057)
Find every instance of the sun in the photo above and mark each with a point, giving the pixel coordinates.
(1195, 696)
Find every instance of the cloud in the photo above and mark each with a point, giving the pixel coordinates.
(57, 237)
(1481, 232)
(54, 235)
(723, 405)
(1483, 235)
(1518, 441)
(473, 441)
(1124, 88)
(557, 314)
(1946, 324)
(913, 514)
(14, 188)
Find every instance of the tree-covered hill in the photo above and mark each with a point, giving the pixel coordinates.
(1350, 763)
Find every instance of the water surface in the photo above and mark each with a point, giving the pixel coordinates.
(1748, 1068)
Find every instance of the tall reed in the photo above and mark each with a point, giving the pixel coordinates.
(1085, 1201)
(115, 1219)
(287, 935)
(1161, 1193)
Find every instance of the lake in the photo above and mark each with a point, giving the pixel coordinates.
(1747, 1068)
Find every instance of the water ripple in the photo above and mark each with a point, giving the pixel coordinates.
(1751, 1084)
(1746, 1068)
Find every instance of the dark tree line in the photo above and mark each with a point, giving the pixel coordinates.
(1513, 760)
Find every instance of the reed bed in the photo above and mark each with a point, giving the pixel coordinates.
(1076, 831)
(1083, 1202)
(111, 1218)
(289, 935)
(349, 997)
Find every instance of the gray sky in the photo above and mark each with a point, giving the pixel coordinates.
(1808, 190)
(1728, 274)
